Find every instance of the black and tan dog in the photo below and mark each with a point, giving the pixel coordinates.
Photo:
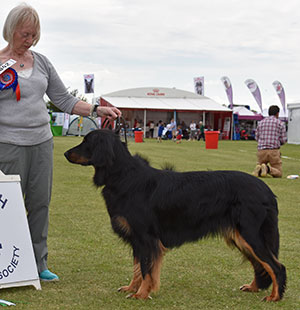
(154, 210)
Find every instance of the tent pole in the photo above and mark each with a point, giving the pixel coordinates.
(145, 120)
(232, 126)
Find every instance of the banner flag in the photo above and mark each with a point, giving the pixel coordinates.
(253, 87)
(228, 89)
(89, 83)
(199, 85)
(280, 92)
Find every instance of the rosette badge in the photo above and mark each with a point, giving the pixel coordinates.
(9, 79)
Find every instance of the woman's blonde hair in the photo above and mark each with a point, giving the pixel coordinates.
(18, 16)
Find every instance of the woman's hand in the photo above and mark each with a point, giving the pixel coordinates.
(110, 112)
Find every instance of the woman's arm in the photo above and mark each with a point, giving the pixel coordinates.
(85, 109)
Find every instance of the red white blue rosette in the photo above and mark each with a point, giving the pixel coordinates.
(9, 79)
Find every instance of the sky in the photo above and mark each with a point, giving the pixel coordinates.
(166, 43)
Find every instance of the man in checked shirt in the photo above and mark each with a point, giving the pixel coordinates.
(270, 135)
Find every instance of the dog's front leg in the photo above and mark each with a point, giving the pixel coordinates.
(151, 281)
(144, 290)
(136, 280)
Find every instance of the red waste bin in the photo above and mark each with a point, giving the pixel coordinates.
(211, 139)
(138, 136)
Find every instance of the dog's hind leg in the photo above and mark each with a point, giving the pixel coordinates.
(261, 256)
(231, 239)
(156, 268)
(136, 280)
(262, 280)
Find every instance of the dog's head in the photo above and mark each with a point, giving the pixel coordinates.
(96, 149)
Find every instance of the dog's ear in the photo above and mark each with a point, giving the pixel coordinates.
(103, 150)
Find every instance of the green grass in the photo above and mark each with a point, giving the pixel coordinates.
(92, 262)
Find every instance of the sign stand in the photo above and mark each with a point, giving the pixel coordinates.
(17, 262)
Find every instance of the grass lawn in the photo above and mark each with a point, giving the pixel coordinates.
(92, 262)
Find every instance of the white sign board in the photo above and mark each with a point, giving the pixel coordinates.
(294, 123)
(17, 262)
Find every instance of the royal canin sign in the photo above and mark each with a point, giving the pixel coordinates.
(155, 92)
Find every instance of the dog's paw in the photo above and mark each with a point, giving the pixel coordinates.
(248, 288)
(271, 298)
(124, 289)
(139, 296)
(128, 288)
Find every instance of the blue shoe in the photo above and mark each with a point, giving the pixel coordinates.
(49, 276)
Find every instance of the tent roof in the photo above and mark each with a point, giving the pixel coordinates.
(244, 113)
(162, 99)
(295, 105)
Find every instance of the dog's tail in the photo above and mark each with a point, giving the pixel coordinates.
(263, 240)
(270, 236)
(256, 235)
(270, 233)
(270, 230)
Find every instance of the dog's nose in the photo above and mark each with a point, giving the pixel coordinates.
(67, 155)
(70, 157)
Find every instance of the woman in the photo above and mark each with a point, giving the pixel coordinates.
(173, 128)
(26, 141)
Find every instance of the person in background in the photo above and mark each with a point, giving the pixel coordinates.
(185, 131)
(151, 129)
(26, 142)
(160, 131)
(137, 126)
(193, 130)
(179, 134)
(173, 129)
(201, 131)
(167, 133)
(270, 135)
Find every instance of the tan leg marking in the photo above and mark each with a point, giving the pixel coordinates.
(156, 270)
(250, 287)
(245, 247)
(144, 290)
(123, 224)
(136, 280)
(151, 282)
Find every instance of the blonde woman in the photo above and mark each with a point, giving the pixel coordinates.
(26, 141)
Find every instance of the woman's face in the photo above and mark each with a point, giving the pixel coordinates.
(24, 37)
